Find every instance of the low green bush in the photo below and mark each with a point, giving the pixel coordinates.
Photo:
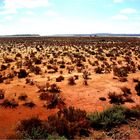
(32, 129)
(108, 118)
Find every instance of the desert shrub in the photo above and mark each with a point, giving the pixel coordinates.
(61, 72)
(8, 60)
(18, 55)
(29, 81)
(37, 60)
(138, 67)
(60, 78)
(137, 88)
(22, 73)
(62, 66)
(126, 90)
(86, 75)
(35, 69)
(51, 71)
(132, 113)
(28, 63)
(121, 72)
(3, 67)
(43, 96)
(2, 94)
(23, 97)
(11, 75)
(136, 80)
(122, 79)
(43, 88)
(52, 104)
(54, 101)
(79, 64)
(54, 88)
(68, 122)
(55, 68)
(29, 104)
(116, 98)
(128, 99)
(9, 103)
(98, 70)
(85, 82)
(70, 69)
(49, 66)
(102, 98)
(136, 110)
(71, 81)
(32, 129)
(109, 118)
(1, 79)
(79, 70)
(76, 77)
(56, 137)
(19, 64)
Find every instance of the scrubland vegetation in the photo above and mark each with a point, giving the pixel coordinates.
(71, 87)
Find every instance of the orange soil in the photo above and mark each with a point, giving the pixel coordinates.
(79, 96)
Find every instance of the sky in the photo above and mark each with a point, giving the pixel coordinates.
(49, 17)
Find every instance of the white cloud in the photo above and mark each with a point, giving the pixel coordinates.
(118, 1)
(8, 18)
(8, 11)
(128, 11)
(51, 13)
(29, 13)
(25, 20)
(15, 4)
(120, 17)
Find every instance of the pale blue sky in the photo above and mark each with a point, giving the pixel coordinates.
(48, 17)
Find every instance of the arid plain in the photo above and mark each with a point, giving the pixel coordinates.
(43, 76)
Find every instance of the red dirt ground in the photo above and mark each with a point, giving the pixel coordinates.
(79, 96)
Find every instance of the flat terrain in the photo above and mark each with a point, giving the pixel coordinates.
(39, 76)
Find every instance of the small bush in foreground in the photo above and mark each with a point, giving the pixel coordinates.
(69, 122)
(108, 118)
(31, 129)
(72, 123)
(56, 137)
(114, 116)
